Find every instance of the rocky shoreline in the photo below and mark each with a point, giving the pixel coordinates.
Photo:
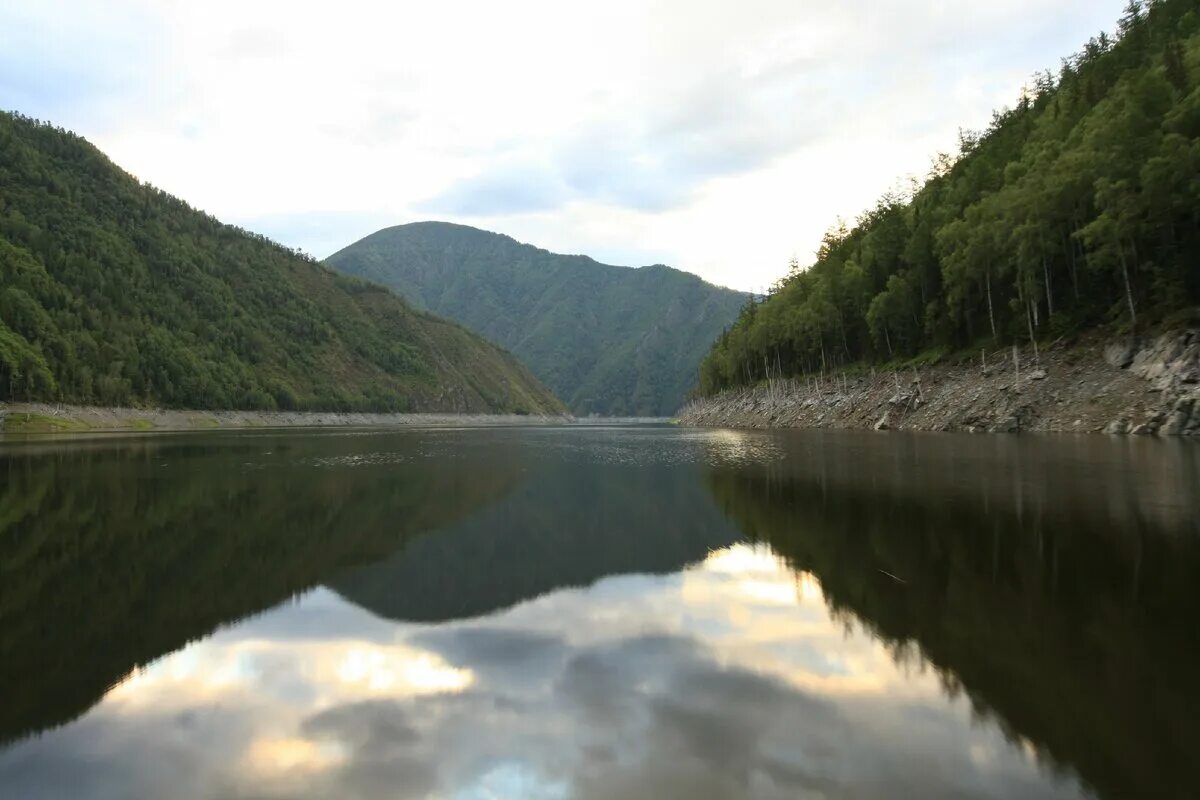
(1136, 386)
(55, 418)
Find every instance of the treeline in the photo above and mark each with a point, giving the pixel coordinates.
(116, 293)
(1078, 207)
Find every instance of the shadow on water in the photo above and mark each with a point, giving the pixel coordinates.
(1054, 582)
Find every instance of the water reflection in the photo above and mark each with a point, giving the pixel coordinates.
(1054, 582)
(127, 549)
(727, 680)
(576, 516)
(602, 614)
(113, 553)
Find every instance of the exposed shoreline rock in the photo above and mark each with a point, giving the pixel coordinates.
(55, 418)
(1142, 387)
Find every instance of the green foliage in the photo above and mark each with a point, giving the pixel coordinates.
(1077, 208)
(113, 292)
(23, 370)
(610, 340)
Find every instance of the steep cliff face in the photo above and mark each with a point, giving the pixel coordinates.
(1149, 386)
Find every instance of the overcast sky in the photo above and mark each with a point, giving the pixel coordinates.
(719, 137)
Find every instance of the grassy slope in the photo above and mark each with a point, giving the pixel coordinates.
(607, 339)
(115, 293)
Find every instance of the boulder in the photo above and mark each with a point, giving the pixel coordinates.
(1118, 426)
(1120, 354)
(1179, 419)
(1171, 361)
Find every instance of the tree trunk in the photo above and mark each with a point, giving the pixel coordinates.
(1128, 287)
(1049, 290)
(1032, 338)
(888, 339)
(842, 328)
(991, 312)
(1070, 245)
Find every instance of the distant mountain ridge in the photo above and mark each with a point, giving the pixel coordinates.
(115, 293)
(608, 340)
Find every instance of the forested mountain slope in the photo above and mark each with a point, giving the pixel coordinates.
(1079, 207)
(113, 292)
(608, 340)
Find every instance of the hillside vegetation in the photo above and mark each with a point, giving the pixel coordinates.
(113, 292)
(1078, 208)
(608, 340)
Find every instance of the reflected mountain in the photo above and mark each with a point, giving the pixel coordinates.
(569, 524)
(113, 554)
(1068, 616)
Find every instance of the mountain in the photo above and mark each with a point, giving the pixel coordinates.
(1077, 208)
(608, 340)
(114, 292)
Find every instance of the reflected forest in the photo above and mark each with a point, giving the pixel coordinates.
(1020, 591)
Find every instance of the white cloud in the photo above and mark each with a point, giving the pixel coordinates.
(722, 138)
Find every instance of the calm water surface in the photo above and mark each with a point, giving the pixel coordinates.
(591, 612)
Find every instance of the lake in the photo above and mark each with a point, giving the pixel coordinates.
(598, 612)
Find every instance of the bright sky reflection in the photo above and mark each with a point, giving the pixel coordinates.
(730, 679)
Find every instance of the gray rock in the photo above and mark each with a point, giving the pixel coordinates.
(1170, 361)
(1181, 417)
(1037, 375)
(1120, 354)
(885, 422)
(1010, 424)
(1175, 425)
(1118, 426)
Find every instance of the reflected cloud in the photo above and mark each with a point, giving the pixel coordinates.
(272, 759)
(332, 670)
(908, 616)
(636, 686)
(415, 673)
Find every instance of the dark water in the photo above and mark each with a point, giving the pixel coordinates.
(638, 612)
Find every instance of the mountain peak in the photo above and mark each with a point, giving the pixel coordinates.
(609, 340)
